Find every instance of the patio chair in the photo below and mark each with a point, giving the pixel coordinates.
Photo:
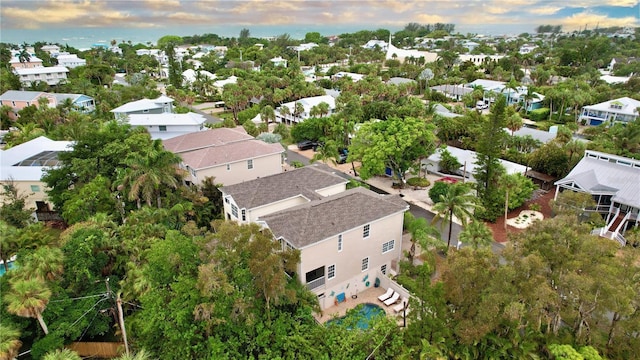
(393, 299)
(386, 295)
(398, 308)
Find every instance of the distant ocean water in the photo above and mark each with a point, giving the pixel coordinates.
(85, 37)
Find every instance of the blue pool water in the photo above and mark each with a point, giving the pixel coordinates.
(2, 271)
(361, 315)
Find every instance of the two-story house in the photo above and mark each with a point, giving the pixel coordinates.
(614, 183)
(623, 110)
(168, 125)
(32, 62)
(70, 61)
(345, 240)
(160, 105)
(290, 116)
(51, 75)
(231, 156)
(345, 237)
(23, 166)
(18, 100)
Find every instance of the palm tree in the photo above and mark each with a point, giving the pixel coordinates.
(458, 202)
(328, 151)
(268, 114)
(284, 112)
(528, 97)
(62, 354)
(24, 55)
(44, 264)
(512, 85)
(9, 342)
(140, 355)
(147, 174)
(421, 232)
(510, 183)
(298, 110)
(514, 123)
(476, 234)
(28, 298)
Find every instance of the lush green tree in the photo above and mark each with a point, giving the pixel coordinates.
(438, 190)
(448, 163)
(395, 143)
(9, 342)
(62, 354)
(422, 233)
(458, 202)
(489, 169)
(476, 234)
(28, 298)
(13, 210)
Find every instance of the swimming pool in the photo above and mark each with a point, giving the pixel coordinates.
(9, 264)
(360, 316)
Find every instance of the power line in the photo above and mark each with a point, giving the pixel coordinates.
(79, 298)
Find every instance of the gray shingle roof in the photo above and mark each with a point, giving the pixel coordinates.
(228, 153)
(269, 189)
(204, 139)
(310, 223)
(16, 95)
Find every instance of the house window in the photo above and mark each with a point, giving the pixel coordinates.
(365, 231)
(13, 103)
(339, 242)
(244, 215)
(234, 211)
(331, 272)
(250, 164)
(163, 127)
(228, 167)
(388, 246)
(35, 188)
(226, 200)
(365, 264)
(383, 269)
(145, 111)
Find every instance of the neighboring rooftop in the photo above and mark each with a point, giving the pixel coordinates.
(315, 221)
(624, 105)
(304, 181)
(143, 104)
(169, 119)
(602, 172)
(26, 162)
(229, 153)
(206, 138)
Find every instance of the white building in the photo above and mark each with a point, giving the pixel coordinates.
(23, 166)
(307, 104)
(467, 159)
(71, 61)
(52, 75)
(162, 104)
(623, 110)
(168, 125)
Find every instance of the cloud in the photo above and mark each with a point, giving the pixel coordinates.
(545, 10)
(589, 19)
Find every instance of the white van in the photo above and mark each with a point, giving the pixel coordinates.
(480, 105)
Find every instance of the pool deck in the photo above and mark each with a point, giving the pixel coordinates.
(368, 296)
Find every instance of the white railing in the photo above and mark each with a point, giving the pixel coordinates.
(314, 284)
(611, 220)
(624, 220)
(613, 235)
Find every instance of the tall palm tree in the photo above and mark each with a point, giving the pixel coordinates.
(29, 298)
(284, 112)
(421, 232)
(268, 114)
(62, 354)
(514, 122)
(148, 173)
(9, 342)
(298, 109)
(458, 202)
(509, 183)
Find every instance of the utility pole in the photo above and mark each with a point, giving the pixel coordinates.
(119, 316)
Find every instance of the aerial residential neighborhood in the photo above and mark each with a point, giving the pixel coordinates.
(417, 193)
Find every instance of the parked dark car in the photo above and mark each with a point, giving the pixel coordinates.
(307, 144)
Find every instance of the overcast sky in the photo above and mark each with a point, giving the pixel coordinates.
(571, 14)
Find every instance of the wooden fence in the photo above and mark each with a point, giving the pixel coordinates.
(97, 349)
